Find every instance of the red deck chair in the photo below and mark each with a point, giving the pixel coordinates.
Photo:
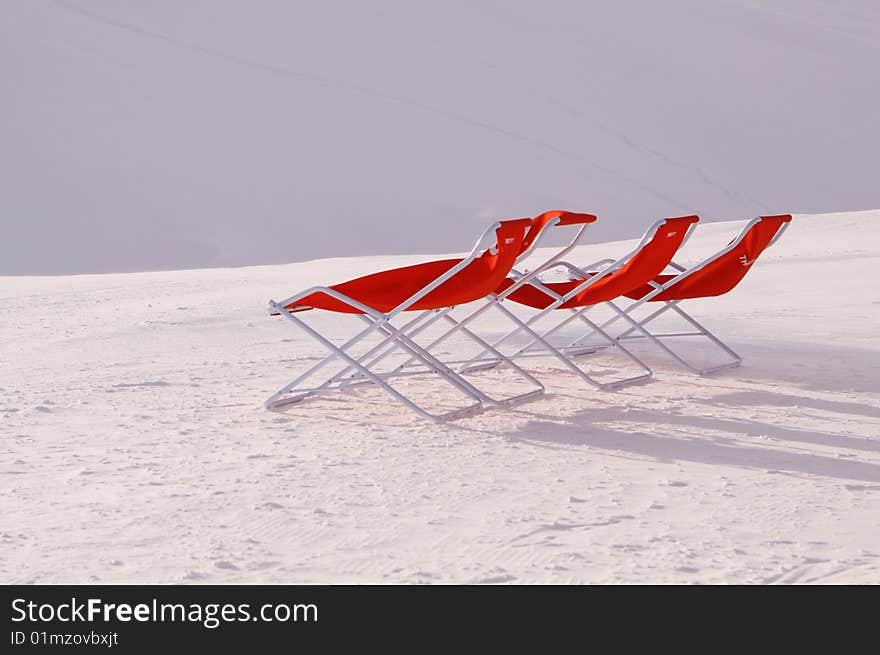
(431, 288)
(650, 257)
(539, 227)
(713, 276)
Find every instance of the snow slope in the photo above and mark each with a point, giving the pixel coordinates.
(167, 134)
(133, 447)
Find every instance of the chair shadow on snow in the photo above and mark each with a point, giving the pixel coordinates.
(740, 398)
(655, 437)
(667, 435)
(719, 440)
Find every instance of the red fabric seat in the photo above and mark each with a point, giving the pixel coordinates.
(643, 266)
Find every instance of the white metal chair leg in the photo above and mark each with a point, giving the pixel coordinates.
(389, 345)
(525, 326)
(273, 399)
(537, 392)
(626, 312)
(437, 314)
(276, 399)
(567, 360)
(443, 370)
(499, 357)
(563, 358)
(657, 339)
(736, 360)
(576, 314)
(339, 380)
(640, 327)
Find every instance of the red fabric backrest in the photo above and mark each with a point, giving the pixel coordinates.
(724, 272)
(644, 265)
(485, 273)
(386, 290)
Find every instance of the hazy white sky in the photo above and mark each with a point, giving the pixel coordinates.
(141, 134)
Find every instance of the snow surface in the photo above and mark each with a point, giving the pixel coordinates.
(133, 446)
(168, 134)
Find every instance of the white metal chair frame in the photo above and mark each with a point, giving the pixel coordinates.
(699, 330)
(540, 346)
(359, 370)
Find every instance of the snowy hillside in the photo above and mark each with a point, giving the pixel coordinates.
(165, 134)
(133, 447)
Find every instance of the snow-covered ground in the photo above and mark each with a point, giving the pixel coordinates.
(134, 448)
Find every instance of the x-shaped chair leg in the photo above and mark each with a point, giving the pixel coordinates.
(498, 357)
(341, 352)
(566, 359)
(657, 339)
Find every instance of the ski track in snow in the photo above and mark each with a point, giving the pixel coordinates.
(133, 446)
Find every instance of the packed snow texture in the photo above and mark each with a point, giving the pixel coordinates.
(166, 134)
(134, 448)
